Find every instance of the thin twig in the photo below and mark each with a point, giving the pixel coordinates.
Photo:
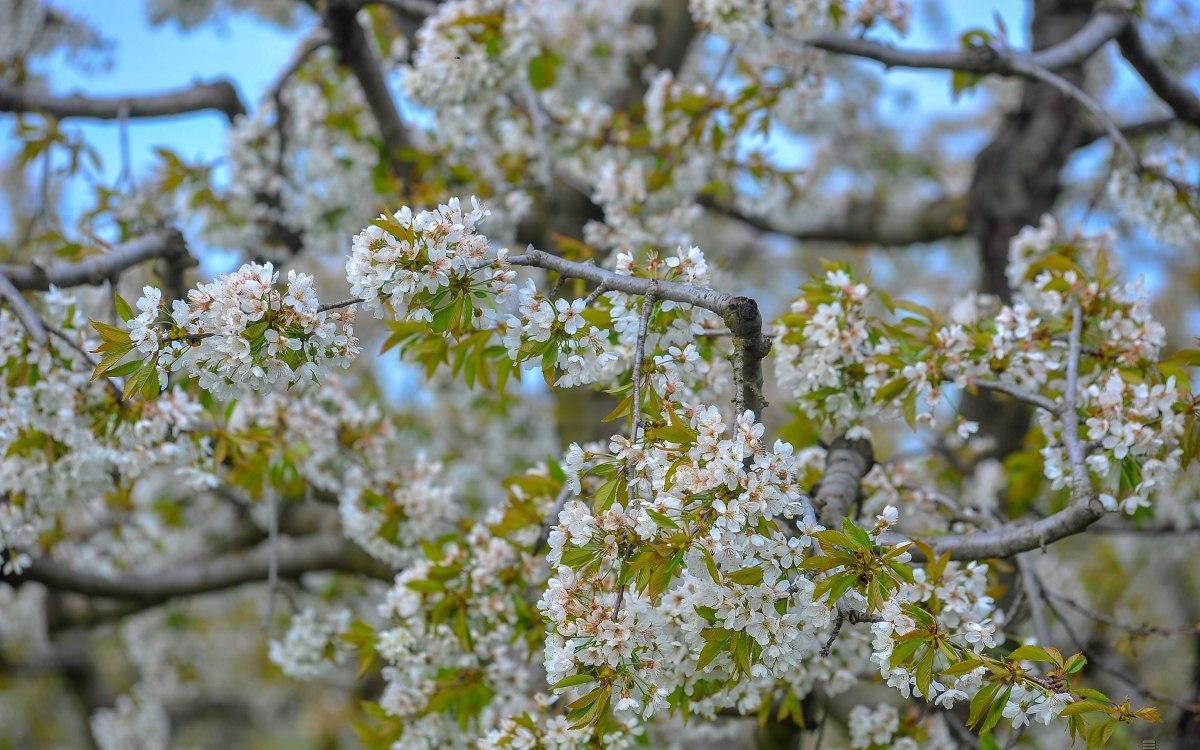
(639, 357)
(595, 294)
(1120, 674)
(1037, 72)
(339, 305)
(552, 517)
(1019, 393)
(1035, 596)
(308, 46)
(837, 628)
(273, 559)
(1081, 490)
(1133, 629)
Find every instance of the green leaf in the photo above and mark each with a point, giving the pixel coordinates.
(1084, 707)
(111, 333)
(1075, 664)
(996, 711)
(543, 70)
(1031, 653)
(124, 311)
(572, 680)
(110, 359)
(710, 651)
(981, 702)
(856, 535)
(747, 576)
(661, 519)
(711, 564)
(903, 651)
(891, 390)
(962, 667)
(609, 492)
(962, 80)
(121, 371)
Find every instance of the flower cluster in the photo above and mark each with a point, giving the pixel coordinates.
(736, 20)
(403, 264)
(672, 577)
(830, 356)
(389, 521)
(64, 462)
(884, 727)
(1151, 199)
(844, 361)
(313, 644)
(469, 47)
(432, 270)
(457, 637)
(135, 721)
(240, 330)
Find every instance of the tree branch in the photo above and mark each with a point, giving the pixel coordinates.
(1035, 594)
(167, 244)
(1133, 629)
(219, 95)
(846, 463)
(296, 556)
(1131, 130)
(1182, 101)
(1020, 394)
(1012, 538)
(739, 313)
(1104, 26)
(354, 52)
(25, 313)
(868, 222)
(1036, 72)
(307, 47)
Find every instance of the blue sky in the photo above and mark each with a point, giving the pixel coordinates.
(145, 58)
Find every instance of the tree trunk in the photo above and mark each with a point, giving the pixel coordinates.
(1016, 181)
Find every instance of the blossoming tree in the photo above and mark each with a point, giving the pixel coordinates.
(645, 483)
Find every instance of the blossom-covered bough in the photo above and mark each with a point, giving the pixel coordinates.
(790, 527)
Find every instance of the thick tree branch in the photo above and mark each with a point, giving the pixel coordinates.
(1130, 130)
(1013, 538)
(1183, 101)
(354, 52)
(739, 313)
(868, 222)
(219, 95)
(1104, 26)
(846, 463)
(167, 244)
(295, 557)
